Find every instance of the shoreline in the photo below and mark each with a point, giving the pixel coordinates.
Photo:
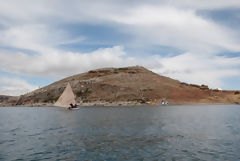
(124, 104)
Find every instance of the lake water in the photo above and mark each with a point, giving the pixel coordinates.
(121, 133)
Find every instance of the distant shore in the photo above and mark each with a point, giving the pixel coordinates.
(125, 86)
(122, 103)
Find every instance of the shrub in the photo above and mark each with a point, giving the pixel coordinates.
(84, 93)
(237, 92)
(122, 68)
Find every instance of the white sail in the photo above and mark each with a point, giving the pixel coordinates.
(66, 98)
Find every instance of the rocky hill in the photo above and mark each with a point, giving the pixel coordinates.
(8, 100)
(128, 86)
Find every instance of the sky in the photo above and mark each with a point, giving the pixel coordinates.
(194, 41)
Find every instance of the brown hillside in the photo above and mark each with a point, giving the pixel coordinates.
(130, 85)
(8, 100)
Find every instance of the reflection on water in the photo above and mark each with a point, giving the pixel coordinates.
(120, 133)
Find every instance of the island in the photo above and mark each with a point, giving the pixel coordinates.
(126, 86)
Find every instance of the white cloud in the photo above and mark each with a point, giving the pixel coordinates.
(34, 26)
(186, 67)
(168, 23)
(191, 68)
(14, 86)
(61, 64)
(183, 29)
(205, 4)
(36, 37)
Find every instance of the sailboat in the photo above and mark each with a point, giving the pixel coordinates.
(67, 99)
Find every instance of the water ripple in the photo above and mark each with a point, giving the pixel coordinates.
(142, 133)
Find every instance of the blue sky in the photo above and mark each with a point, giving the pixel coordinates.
(195, 41)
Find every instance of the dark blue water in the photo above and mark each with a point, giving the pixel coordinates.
(121, 133)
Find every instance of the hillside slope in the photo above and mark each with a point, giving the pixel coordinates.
(127, 86)
(8, 100)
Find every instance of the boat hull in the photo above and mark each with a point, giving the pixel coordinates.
(76, 108)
